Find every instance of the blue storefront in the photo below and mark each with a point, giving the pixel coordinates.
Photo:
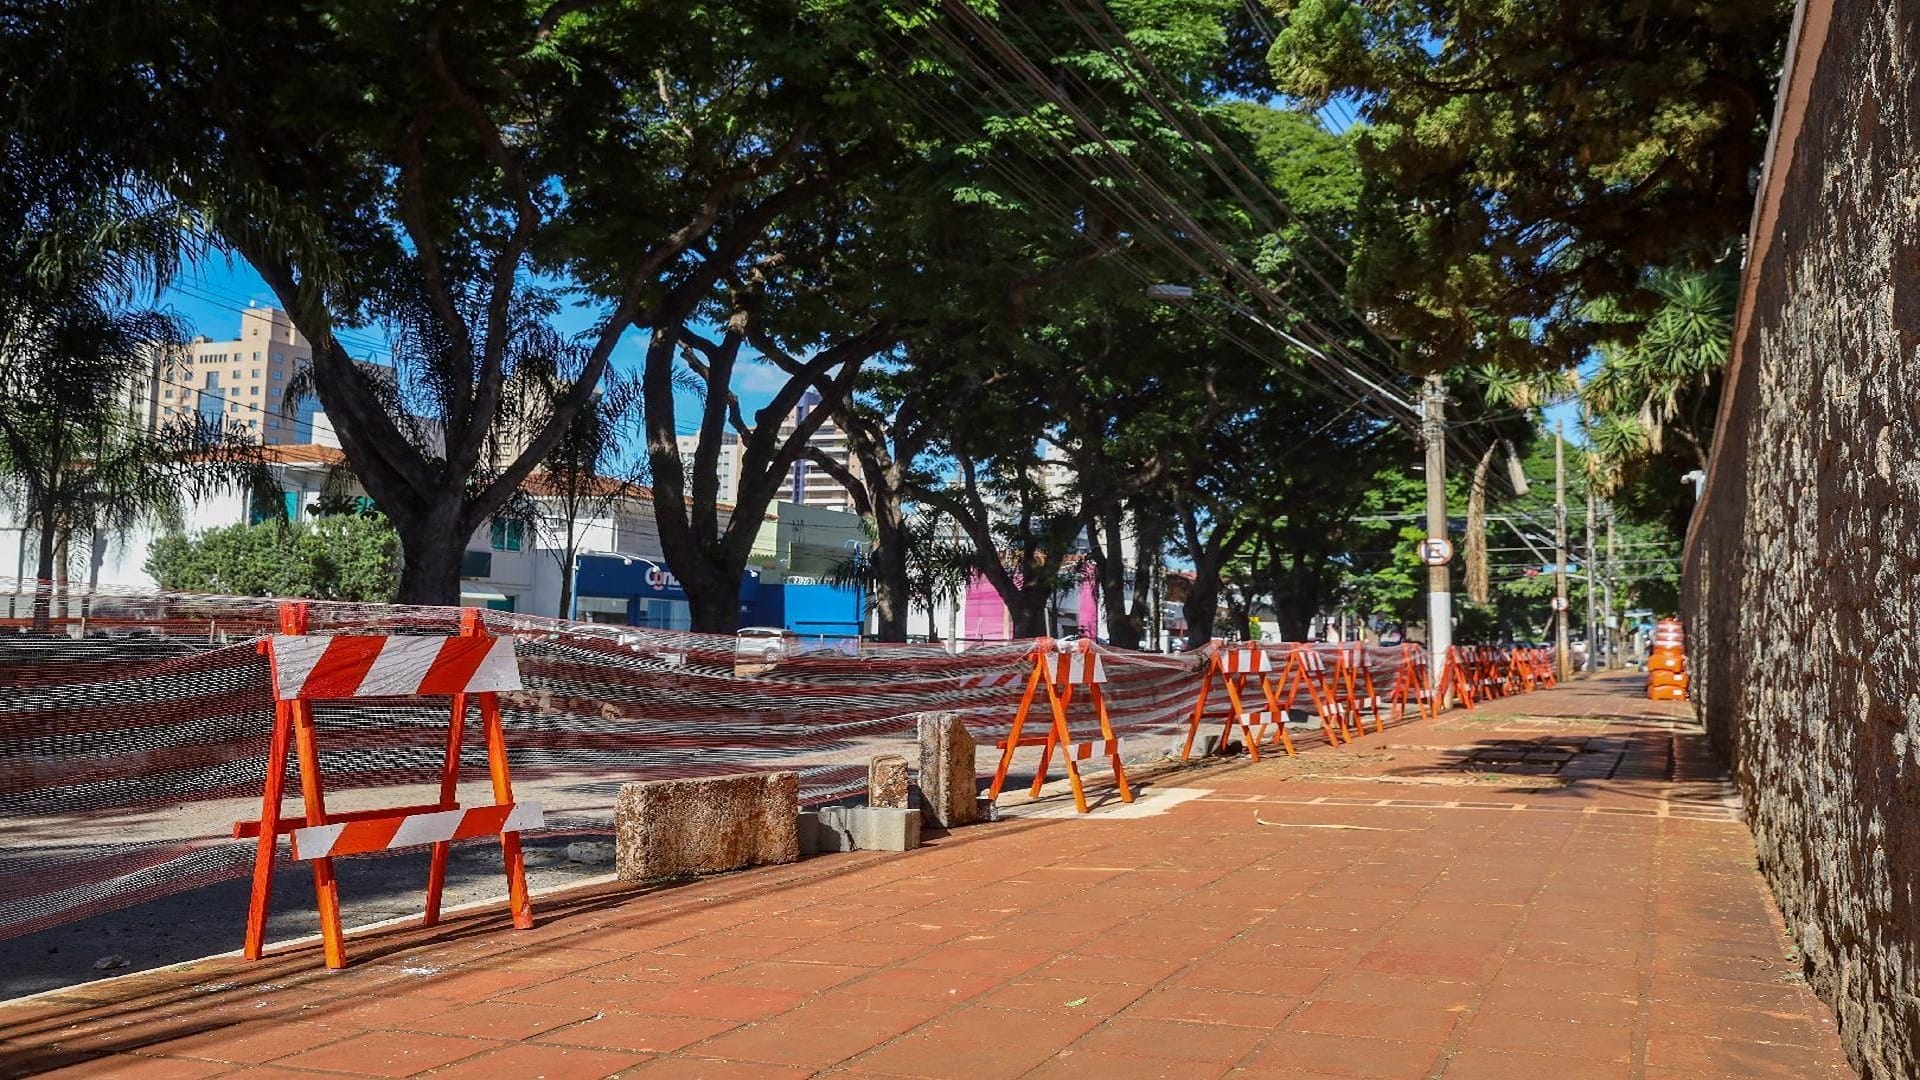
(630, 590)
(633, 591)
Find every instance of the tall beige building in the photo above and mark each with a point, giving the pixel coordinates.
(807, 483)
(239, 385)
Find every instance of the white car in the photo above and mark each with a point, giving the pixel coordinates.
(765, 644)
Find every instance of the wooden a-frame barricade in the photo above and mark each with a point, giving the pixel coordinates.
(1353, 677)
(1412, 685)
(471, 670)
(1305, 670)
(1059, 668)
(1232, 666)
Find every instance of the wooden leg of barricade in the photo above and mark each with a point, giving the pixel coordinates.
(1279, 715)
(1013, 736)
(449, 800)
(1238, 718)
(325, 890)
(517, 900)
(1061, 737)
(1113, 744)
(263, 854)
(1199, 717)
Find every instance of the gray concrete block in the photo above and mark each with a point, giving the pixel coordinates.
(663, 828)
(858, 828)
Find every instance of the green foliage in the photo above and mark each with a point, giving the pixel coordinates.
(351, 557)
(1524, 160)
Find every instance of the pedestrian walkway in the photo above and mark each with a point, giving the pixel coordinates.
(1550, 886)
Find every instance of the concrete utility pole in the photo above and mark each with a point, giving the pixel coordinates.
(1433, 431)
(1593, 628)
(1613, 645)
(1562, 661)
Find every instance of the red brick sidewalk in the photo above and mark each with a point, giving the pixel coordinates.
(1550, 886)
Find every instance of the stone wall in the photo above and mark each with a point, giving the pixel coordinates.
(1803, 568)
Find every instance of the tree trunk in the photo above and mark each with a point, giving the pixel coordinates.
(1201, 607)
(566, 579)
(1123, 622)
(43, 574)
(433, 544)
(1478, 579)
(892, 594)
(714, 611)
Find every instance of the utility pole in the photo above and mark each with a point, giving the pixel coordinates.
(1593, 629)
(1562, 665)
(1613, 649)
(1433, 430)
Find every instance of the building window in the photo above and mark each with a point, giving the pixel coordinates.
(278, 374)
(476, 564)
(236, 375)
(256, 359)
(506, 535)
(255, 388)
(277, 357)
(256, 371)
(168, 392)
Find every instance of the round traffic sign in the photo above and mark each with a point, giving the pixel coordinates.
(1436, 551)
(1559, 603)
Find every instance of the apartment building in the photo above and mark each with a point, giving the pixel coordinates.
(807, 483)
(727, 465)
(238, 385)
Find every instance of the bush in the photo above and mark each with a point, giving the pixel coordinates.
(346, 557)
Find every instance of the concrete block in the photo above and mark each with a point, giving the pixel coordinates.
(663, 828)
(948, 783)
(887, 782)
(858, 828)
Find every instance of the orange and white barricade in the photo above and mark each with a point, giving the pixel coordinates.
(1412, 685)
(1456, 678)
(1059, 667)
(1306, 670)
(471, 669)
(1353, 677)
(1232, 666)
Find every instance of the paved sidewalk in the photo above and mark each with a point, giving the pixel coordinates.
(1555, 885)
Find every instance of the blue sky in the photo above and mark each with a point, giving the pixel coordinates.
(211, 295)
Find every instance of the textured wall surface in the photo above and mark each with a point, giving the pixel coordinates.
(1804, 566)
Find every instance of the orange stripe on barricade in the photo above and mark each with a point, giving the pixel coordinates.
(394, 832)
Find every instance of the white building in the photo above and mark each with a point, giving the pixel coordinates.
(727, 466)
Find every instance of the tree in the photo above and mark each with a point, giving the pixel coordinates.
(350, 557)
(446, 171)
(1523, 161)
(1665, 381)
(588, 475)
(76, 454)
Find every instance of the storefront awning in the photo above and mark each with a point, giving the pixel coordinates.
(481, 594)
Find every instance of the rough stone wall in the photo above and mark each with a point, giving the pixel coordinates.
(1804, 564)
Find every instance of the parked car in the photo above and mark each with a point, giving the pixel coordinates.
(765, 644)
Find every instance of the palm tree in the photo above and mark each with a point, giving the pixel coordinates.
(1661, 383)
(1500, 390)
